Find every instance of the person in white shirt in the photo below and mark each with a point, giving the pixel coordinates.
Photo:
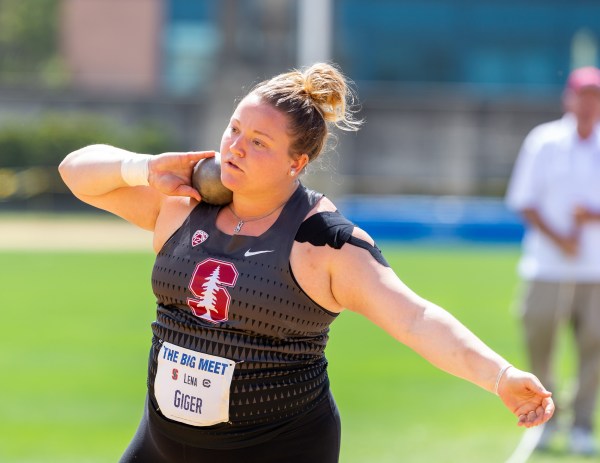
(555, 186)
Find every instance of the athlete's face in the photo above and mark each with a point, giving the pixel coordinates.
(255, 148)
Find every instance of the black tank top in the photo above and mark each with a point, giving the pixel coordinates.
(234, 296)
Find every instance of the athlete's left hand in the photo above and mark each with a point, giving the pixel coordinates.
(526, 397)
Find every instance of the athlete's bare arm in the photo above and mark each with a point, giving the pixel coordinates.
(350, 278)
(93, 174)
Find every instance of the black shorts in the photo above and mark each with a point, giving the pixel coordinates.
(313, 437)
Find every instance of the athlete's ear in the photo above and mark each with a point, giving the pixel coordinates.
(299, 162)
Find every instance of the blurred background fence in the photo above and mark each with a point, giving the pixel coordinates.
(448, 89)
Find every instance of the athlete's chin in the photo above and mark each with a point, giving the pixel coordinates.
(231, 182)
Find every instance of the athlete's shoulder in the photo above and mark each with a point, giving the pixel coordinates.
(323, 204)
(326, 226)
(325, 215)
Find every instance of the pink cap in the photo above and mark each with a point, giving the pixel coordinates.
(588, 76)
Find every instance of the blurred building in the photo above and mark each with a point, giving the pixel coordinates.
(112, 45)
(448, 88)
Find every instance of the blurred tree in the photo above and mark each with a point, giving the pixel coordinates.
(29, 43)
(46, 141)
(30, 151)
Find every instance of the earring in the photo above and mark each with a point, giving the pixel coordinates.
(293, 172)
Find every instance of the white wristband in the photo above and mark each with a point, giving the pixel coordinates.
(499, 377)
(134, 170)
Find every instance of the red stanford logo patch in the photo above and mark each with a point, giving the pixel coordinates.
(211, 299)
(200, 236)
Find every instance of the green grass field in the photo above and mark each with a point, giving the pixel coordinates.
(76, 335)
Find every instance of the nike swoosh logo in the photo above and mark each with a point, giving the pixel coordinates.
(249, 253)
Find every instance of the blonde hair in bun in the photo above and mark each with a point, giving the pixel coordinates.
(312, 98)
(329, 90)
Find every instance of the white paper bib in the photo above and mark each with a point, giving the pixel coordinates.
(192, 387)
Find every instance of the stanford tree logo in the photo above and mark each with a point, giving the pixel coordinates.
(211, 299)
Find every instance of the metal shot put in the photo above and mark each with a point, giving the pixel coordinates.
(206, 178)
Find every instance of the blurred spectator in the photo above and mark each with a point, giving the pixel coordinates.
(555, 186)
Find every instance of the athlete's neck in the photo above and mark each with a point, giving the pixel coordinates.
(250, 206)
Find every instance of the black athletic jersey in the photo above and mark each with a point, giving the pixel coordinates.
(234, 296)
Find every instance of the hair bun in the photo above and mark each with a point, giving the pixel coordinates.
(312, 99)
(327, 87)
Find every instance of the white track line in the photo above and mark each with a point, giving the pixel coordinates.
(527, 445)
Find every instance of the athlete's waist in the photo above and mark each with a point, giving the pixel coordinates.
(238, 434)
(260, 392)
(268, 366)
(253, 349)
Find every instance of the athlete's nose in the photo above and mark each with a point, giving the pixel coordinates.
(237, 149)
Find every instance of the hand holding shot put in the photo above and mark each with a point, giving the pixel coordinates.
(252, 287)
(171, 173)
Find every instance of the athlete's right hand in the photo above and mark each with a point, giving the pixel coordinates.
(171, 173)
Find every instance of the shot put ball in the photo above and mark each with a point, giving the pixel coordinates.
(206, 178)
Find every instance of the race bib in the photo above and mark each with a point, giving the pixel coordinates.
(192, 387)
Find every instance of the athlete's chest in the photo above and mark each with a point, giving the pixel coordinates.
(235, 281)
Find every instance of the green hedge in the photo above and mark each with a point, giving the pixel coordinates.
(45, 142)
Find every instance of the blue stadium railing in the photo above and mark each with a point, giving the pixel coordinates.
(429, 218)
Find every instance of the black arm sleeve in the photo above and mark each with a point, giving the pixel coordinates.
(333, 229)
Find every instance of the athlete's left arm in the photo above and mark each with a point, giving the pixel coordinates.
(364, 285)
